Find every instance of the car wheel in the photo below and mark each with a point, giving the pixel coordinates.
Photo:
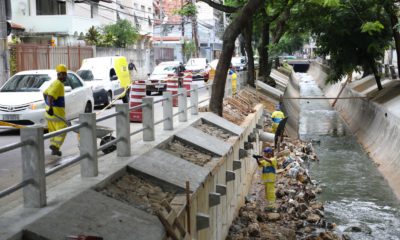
(125, 99)
(109, 99)
(159, 92)
(148, 93)
(88, 107)
(109, 149)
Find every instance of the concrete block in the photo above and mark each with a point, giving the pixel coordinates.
(216, 120)
(203, 141)
(202, 221)
(214, 199)
(163, 166)
(237, 165)
(230, 176)
(94, 213)
(221, 189)
(242, 153)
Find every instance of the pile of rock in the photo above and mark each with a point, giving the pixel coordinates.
(298, 214)
(188, 153)
(138, 192)
(214, 131)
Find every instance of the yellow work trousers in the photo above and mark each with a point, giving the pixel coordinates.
(274, 127)
(234, 84)
(270, 193)
(54, 126)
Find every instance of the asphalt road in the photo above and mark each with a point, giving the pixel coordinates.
(10, 162)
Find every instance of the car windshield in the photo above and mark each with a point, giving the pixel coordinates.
(25, 83)
(86, 75)
(197, 62)
(164, 69)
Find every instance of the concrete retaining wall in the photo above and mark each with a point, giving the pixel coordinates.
(374, 121)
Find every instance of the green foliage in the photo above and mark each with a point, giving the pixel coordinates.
(123, 31)
(188, 10)
(352, 34)
(289, 43)
(120, 34)
(190, 49)
(372, 27)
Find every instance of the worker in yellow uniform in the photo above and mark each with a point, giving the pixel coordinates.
(233, 75)
(277, 117)
(55, 105)
(269, 166)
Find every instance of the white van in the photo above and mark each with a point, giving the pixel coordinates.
(108, 77)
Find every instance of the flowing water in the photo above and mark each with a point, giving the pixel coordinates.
(354, 192)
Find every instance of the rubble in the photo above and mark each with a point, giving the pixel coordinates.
(214, 131)
(188, 153)
(138, 192)
(298, 214)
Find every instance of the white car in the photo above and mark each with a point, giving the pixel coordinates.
(21, 97)
(199, 68)
(239, 63)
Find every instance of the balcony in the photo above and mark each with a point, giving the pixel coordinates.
(62, 24)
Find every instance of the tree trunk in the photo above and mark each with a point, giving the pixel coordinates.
(195, 36)
(228, 45)
(376, 73)
(242, 44)
(263, 50)
(247, 33)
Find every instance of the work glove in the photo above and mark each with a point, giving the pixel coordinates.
(50, 112)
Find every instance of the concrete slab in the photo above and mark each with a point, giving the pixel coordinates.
(280, 79)
(223, 123)
(268, 90)
(163, 166)
(203, 141)
(91, 213)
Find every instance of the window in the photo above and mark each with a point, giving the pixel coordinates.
(143, 8)
(149, 9)
(50, 7)
(72, 81)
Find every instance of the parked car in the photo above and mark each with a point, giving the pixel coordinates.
(199, 68)
(239, 63)
(108, 77)
(21, 97)
(157, 79)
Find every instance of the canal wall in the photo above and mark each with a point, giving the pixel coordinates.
(373, 117)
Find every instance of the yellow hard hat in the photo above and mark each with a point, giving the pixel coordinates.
(61, 68)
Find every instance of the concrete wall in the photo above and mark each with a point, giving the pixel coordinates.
(375, 122)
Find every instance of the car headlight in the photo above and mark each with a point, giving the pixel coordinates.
(37, 105)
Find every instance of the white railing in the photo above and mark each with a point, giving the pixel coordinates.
(34, 174)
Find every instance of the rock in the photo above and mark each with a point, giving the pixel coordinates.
(273, 216)
(308, 229)
(317, 205)
(293, 203)
(361, 227)
(345, 237)
(318, 190)
(313, 218)
(302, 207)
(254, 230)
(319, 213)
(331, 225)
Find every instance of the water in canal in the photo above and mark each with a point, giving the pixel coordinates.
(355, 193)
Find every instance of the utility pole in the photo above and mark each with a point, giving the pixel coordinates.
(183, 35)
(194, 32)
(3, 44)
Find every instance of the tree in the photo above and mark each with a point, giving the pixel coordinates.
(354, 34)
(92, 37)
(124, 32)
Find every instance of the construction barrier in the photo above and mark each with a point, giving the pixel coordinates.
(172, 86)
(138, 91)
(187, 81)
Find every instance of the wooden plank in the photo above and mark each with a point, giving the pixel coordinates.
(168, 227)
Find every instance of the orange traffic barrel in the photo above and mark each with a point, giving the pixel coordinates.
(138, 91)
(172, 86)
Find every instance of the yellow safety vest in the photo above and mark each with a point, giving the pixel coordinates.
(277, 116)
(269, 170)
(56, 90)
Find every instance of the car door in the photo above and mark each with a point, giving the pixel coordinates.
(75, 100)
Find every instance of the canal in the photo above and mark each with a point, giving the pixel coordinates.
(355, 193)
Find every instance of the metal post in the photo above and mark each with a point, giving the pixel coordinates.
(148, 119)
(4, 60)
(229, 86)
(194, 100)
(168, 111)
(88, 145)
(33, 167)
(123, 130)
(182, 104)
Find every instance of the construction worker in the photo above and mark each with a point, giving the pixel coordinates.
(277, 117)
(269, 166)
(55, 105)
(233, 75)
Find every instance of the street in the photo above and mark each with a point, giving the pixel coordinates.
(10, 162)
